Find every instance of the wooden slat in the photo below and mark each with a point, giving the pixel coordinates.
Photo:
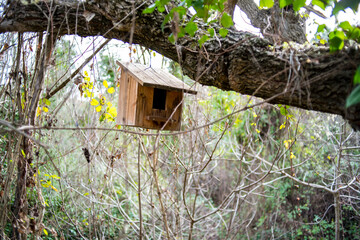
(121, 112)
(131, 101)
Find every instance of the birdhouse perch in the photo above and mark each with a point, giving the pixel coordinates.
(150, 98)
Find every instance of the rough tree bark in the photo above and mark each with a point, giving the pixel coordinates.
(310, 78)
(276, 25)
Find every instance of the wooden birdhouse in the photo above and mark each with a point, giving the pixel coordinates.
(150, 98)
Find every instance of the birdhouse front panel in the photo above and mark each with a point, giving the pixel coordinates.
(158, 107)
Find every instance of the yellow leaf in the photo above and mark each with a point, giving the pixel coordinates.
(292, 155)
(45, 109)
(98, 108)
(54, 188)
(94, 102)
(111, 90)
(109, 104)
(118, 126)
(38, 112)
(102, 100)
(86, 73)
(282, 126)
(23, 153)
(329, 157)
(87, 79)
(257, 131)
(112, 111)
(85, 194)
(105, 83)
(46, 232)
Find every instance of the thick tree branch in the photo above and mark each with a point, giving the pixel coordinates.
(311, 79)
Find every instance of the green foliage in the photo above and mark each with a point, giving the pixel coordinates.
(226, 20)
(206, 11)
(266, 3)
(354, 97)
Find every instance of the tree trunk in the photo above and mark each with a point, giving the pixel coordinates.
(312, 78)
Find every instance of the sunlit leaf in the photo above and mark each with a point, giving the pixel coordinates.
(102, 100)
(203, 39)
(223, 32)
(297, 4)
(191, 28)
(266, 3)
(47, 101)
(111, 90)
(211, 32)
(94, 102)
(98, 108)
(112, 111)
(346, 26)
(45, 109)
(284, 3)
(226, 20)
(105, 83)
(320, 3)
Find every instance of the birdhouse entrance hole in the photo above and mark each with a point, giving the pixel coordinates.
(159, 99)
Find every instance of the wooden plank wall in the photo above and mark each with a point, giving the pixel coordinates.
(127, 99)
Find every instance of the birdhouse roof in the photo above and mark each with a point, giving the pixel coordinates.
(157, 78)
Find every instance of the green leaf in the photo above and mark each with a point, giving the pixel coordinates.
(47, 101)
(284, 3)
(297, 4)
(283, 111)
(223, 32)
(211, 31)
(226, 20)
(266, 3)
(203, 39)
(355, 34)
(161, 8)
(321, 28)
(149, 9)
(346, 26)
(344, 4)
(354, 97)
(171, 38)
(336, 40)
(320, 3)
(191, 28)
(357, 76)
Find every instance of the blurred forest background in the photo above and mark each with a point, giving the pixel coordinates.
(244, 170)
